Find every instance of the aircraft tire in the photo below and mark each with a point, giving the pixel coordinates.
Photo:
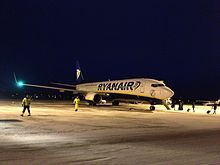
(152, 108)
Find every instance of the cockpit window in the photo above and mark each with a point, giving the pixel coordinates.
(157, 85)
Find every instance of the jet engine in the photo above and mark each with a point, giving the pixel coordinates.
(94, 97)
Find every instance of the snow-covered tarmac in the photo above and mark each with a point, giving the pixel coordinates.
(127, 134)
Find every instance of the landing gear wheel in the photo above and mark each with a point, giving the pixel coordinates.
(152, 108)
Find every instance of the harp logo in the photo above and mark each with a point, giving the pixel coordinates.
(136, 85)
(78, 72)
(152, 93)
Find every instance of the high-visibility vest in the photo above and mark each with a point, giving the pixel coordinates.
(26, 101)
(76, 101)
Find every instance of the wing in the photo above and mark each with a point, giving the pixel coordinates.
(48, 87)
(71, 88)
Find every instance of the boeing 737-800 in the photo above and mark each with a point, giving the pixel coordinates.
(136, 90)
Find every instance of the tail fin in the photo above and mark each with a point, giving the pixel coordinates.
(79, 76)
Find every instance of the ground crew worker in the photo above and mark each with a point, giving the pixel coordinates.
(173, 104)
(193, 106)
(214, 107)
(76, 102)
(26, 102)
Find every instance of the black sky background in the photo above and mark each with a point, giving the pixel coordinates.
(174, 41)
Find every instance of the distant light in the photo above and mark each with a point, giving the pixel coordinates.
(20, 84)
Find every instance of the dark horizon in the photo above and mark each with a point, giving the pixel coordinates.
(175, 41)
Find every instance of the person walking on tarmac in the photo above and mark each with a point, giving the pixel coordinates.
(214, 107)
(26, 102)
(76, 102)
(193, 106)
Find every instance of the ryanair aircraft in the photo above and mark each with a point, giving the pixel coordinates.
(128, 90)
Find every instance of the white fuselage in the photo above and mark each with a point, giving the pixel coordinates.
(139, 87)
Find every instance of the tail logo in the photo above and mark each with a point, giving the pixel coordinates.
(78, 72)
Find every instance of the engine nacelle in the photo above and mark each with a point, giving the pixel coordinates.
(94, 97)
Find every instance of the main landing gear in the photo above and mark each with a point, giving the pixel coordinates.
(152, 108)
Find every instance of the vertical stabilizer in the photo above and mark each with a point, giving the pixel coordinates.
(79, 76)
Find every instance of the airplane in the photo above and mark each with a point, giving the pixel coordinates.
(208, 103)
(126, 90)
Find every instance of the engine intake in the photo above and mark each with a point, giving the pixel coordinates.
(96, 98)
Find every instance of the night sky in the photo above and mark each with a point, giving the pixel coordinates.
(174, 41)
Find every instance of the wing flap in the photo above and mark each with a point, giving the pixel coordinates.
(61, 84)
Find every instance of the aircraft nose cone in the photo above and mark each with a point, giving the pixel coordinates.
(170, 93)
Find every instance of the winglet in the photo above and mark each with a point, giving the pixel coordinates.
(15, 78)
(18, 83)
